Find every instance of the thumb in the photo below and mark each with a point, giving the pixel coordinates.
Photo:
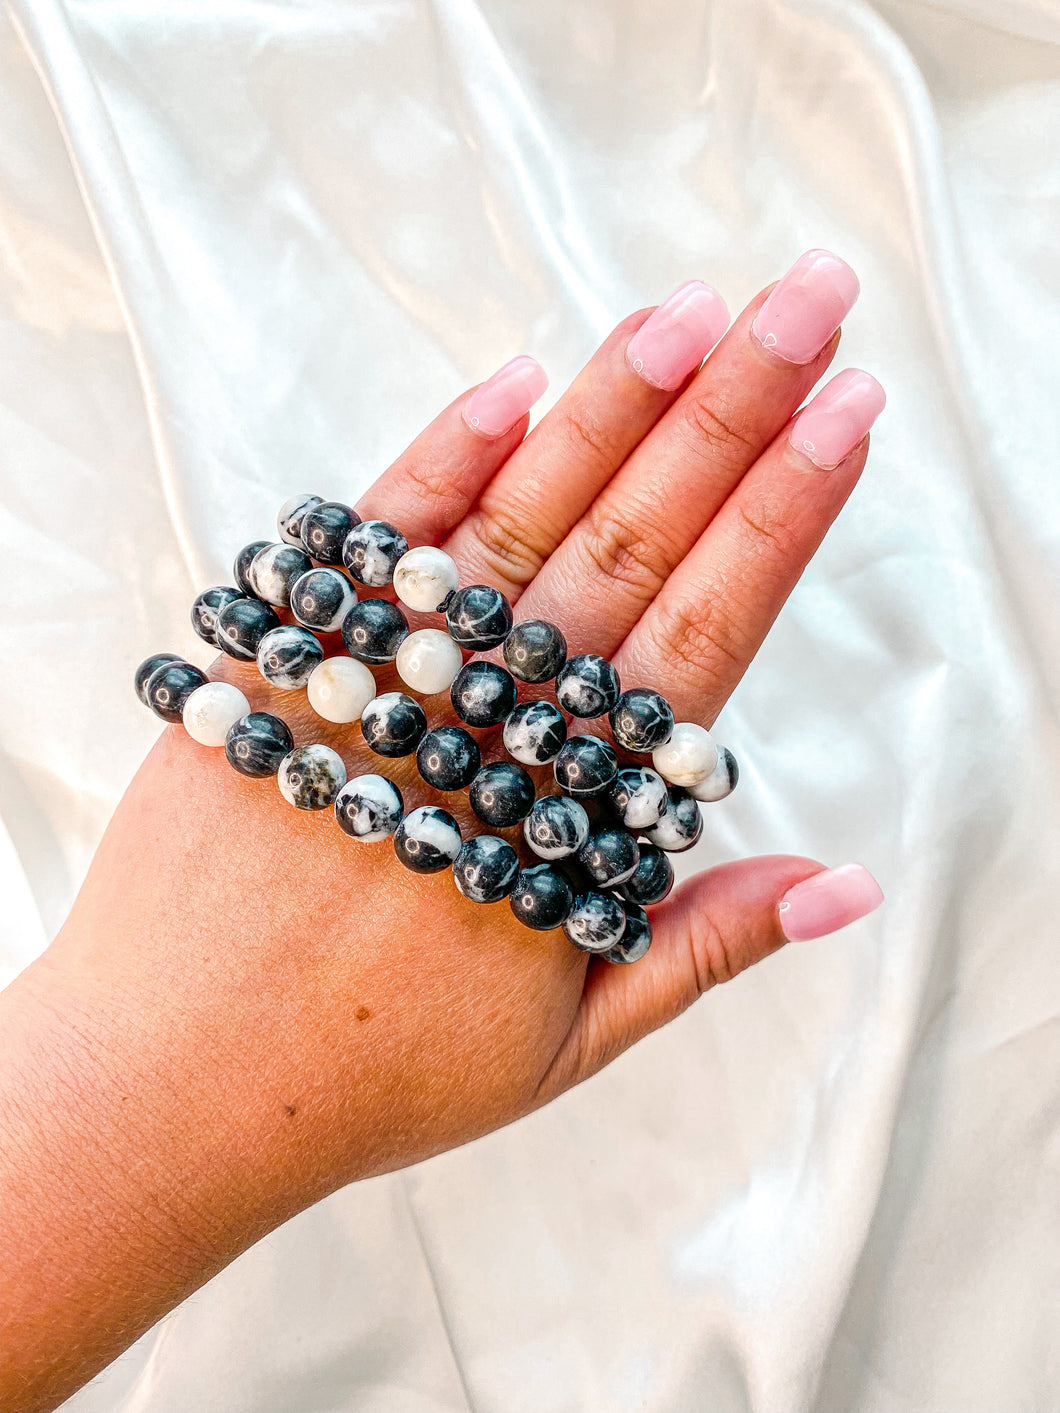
(712, 928)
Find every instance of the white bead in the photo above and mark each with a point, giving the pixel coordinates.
(428, 660)
(423, 577)
(212, 710)
(688, 757)
(720, 782)
(339, 689)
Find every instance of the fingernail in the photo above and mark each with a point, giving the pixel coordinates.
(829, 428)
(674, 341)
(807, 306)
(828, 901)
(496, 406)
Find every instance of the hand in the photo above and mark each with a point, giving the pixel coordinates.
(247, 1010)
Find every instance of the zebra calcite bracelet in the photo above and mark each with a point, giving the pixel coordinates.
(597, 874)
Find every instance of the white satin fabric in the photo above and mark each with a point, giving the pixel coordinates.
(250, 247)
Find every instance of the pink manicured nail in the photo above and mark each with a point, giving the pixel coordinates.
(829, 428)
(828, 901)
(674, 341)
(496, 406)
(807, 306)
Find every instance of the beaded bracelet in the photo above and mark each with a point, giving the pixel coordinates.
(596, 877)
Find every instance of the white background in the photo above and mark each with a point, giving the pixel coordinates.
(248, 248)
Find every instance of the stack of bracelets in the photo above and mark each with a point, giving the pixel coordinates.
(596, 878)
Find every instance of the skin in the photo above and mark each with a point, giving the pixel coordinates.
(245, 1010)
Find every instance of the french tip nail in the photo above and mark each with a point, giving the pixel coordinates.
(498, 404)
(827, 901)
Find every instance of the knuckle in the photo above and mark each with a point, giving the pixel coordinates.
(712, 958)
(619, 551)
(430, 481)
(700, 641)
(509, 545)
(589, 437)
(715, 436)
(770, 527)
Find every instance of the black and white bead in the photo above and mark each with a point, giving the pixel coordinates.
(448, 758)
(486, 869)
(288, 655)
(596, 923)
(652, 879)
(641, 720)
(369, 808)
(393, 724)
(207, 606)
(635, 940)
(534, 732)
(556, 827)
(243, 561)
(639, 796)
(688, 757)
(149, 665)
(585, 766)
(681, 825)
(502, 794)
(722, 780)
(587, 685)
(292, 513)
(373, 630)
(257, 743)
(241, 625)
(427, 840)
(478, 618)
(424, 577)
(535, 650)
(325, 528)
(310, 777)
(483, 694)
(371, 552)
(542, 897)
(273, 572)
(321, 599)
(609, 857)
(169, 687)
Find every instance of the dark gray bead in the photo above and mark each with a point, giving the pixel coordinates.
(427, 839)
(448, 758)
(287, 656)
(482, 693)
(502, 794)
(556, 827)
(257, 743)
(641, 720)
(371, 551)
(534, 732)
(636, 939)
(596, 923)
(311, 776)
(241, 625)
(585, 765)
(680, 826)
(393, 724)
(273, 571)
(542, 898)
(486, 869)
(170, 686)
(651, 880)
(207, 606)
(324, 530)
(369, 808)
(609, 857)
(243, 560)
(478, 617)
(149, 665)
(535, 651)
(373, 630)
(292, 513)
(639, 796)
(587, 685)
(321, 599)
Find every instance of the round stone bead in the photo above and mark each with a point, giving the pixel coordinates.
(596, 923)
(311, 776)
(587, 685)
(339, 689)
(680, 826)
(534, 732)
(721, 781)
(243, 561)
(639, 795)
(369, 808)
(535, 651)
(482, 693)
(609, 857)
(373, 630)
(324, 530)
(688, 757)
(585, 765)
(393, 724)
(288, 655)
(486, 869)
(321, 599)
(212, 710)
(556, 827)
(478, 617)
(149, 665)
(292, 513)
(502, 794)
(427, 839)
(257, 743)
(372, 550)
(448, 758)
(242, 625)
(273, 571)
(651, 880)
(207, 606)
(542, 898)
(424, 577)
(641, 720)
(636, 939)
(428, 660)
(170, 686)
